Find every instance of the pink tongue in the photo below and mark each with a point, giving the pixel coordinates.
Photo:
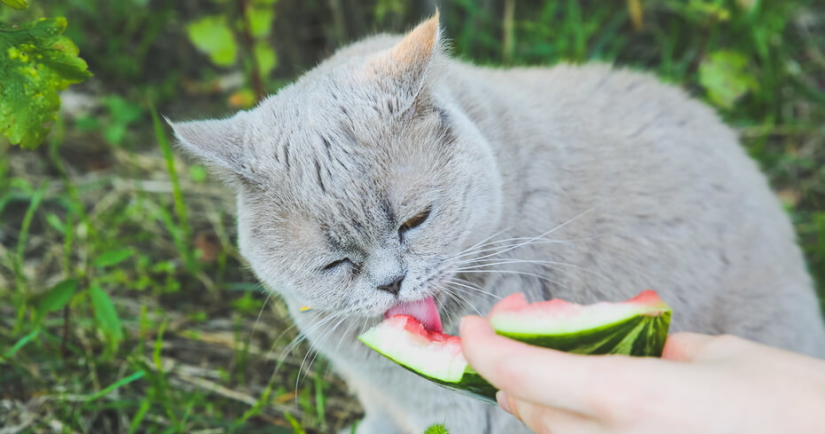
(423, 310)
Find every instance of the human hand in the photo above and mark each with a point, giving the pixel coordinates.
(702, 384)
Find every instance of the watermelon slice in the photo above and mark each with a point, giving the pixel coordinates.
(411, 334)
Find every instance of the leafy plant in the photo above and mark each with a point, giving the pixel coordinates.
(436, 429)
(220, 37)
(36, 63)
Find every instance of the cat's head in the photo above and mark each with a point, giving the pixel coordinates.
(361, 173)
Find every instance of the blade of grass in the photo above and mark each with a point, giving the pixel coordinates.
(119, 383)
(17, 261)
(295, 425)
(19, 344)
(145, 406)
(319, 396)
(177, 193)
(162, 385)
(24, 228)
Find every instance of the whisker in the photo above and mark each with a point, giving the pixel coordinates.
(463, 300)
(302, 336)
(526, 241)
(484, 242)
(314, 349)
(260, 312)
(475, 289)
(525, 261)
(538, 237)
(515, 272)
(531, 240)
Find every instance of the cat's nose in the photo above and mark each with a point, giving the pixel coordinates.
(394, 286)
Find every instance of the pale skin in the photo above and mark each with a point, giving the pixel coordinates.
(703, 384)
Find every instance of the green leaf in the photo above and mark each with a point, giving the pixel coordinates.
(58, 296)
(105, 313)
(260, 20)
(122, 110)
(54, 221)
(112, 257)
(437, 429)
(198, 173)
(726, 77)
(37, 63)
(712, 9)
(212, 35)
(267, 59)
(16, 4)
(20, 344)
(115, 133)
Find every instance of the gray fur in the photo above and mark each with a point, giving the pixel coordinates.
(645, 189)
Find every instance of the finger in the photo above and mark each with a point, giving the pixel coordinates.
(543, 419)
(539, 375)
(684, 347)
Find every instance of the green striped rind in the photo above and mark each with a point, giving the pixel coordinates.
(470, 384)
(641, 335)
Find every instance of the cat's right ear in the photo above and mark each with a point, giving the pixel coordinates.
(216, 141)
(410, 61)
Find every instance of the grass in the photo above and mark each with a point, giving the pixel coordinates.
(124, 305)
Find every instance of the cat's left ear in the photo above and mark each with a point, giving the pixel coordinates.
(411, 60)
(217, 141)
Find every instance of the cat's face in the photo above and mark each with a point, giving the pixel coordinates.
(357, 185)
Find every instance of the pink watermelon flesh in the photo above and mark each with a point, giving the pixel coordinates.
(514, 314)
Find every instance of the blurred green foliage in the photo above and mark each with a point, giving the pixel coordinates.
(123, 301)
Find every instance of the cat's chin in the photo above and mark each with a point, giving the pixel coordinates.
(424, 310)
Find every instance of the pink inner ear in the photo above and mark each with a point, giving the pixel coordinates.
(418, 45)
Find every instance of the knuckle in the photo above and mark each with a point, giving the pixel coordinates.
(509, 375)
(615, 396)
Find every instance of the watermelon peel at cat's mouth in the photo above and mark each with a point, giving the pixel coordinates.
(635, 327)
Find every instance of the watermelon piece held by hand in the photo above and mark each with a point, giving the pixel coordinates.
(636, 327)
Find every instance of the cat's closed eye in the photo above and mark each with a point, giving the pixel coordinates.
(335, 264)
(413, 222)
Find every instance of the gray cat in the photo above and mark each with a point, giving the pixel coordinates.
(391, 174)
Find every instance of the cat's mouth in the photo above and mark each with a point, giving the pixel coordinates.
(424, 310)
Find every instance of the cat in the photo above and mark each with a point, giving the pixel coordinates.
(391, 173)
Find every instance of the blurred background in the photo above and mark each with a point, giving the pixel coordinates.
(124, 305)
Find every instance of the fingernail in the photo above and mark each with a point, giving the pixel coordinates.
(501, 398)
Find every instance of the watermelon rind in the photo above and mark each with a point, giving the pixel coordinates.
(640, 335)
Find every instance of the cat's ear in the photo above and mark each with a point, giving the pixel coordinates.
(216, 141)
(412, 59)
(414, 54)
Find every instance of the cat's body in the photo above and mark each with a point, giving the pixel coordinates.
(645, 188)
